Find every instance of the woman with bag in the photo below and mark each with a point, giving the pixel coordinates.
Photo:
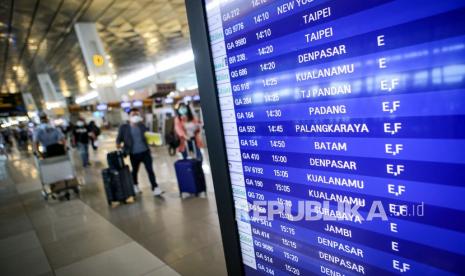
(188, 129)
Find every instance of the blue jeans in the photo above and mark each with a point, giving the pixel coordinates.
(192, 147)
(84, 152)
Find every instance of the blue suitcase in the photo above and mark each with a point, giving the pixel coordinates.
(191, 178)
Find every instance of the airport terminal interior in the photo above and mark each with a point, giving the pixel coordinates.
(232, 137)
(84, 236)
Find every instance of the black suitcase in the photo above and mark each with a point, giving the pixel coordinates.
(115, 160)
(118, 184)
(191, 178)
(55, 150)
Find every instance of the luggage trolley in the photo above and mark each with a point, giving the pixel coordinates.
(53, 170)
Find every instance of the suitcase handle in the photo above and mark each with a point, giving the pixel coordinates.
(194, 150)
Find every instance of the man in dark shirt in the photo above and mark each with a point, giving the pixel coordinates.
(132, 135)
(81, 140)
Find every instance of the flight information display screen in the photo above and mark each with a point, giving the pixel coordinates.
(344, 124)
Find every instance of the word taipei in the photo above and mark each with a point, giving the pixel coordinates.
(309, 210)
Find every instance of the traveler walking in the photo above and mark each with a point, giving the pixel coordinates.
(132, 136)
(80, 139)
(188, 129)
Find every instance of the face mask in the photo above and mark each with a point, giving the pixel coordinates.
(183, 110)
(80, 123)
(135, 119)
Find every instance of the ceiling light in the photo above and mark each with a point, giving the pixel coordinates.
(161, 66)
(104, 80)
(174, 61)
(66, 93)
(58, 122)
(86, 97)
(135, 76)
(52, 105)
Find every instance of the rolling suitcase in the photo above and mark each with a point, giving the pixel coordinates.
(191, 178)
(115, 160)
(118, 184)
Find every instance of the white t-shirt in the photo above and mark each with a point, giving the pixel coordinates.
(190, 128)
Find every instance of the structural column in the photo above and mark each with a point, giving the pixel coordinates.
(53, 99)
(101, 75)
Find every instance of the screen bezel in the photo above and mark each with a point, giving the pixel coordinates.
(206, 79)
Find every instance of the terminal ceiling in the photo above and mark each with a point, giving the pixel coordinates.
(37, 36)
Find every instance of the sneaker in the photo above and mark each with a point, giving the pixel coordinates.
(137, 190)
(157, 191)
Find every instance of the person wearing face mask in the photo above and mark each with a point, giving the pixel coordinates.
(188, 128)
(80, 138)
(131, 138)
(49, 137)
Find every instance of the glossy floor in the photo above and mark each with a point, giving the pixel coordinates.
(84, 236)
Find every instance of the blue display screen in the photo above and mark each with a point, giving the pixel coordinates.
(344, 124)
